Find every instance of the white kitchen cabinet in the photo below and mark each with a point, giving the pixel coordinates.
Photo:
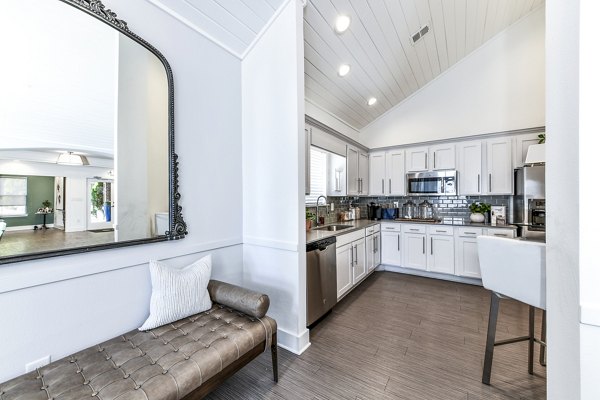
(357, 170)
(508, 233)
(469, 168)
(499, 171)
(440, 255)
(336, 175)
(466, 253)
(521, 145)
(442, 156)
(386, 173)
(344, 266)
(417, 159)
(414, 254)
(372, 246)
(359, 269)
(390, 244)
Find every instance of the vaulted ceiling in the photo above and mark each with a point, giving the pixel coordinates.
(384, 61)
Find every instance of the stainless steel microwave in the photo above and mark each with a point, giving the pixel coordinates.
(434, 183)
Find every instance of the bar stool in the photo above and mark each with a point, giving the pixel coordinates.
(516, 269)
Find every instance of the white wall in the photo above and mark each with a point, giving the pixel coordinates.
(75, 205)
(273, 173)
(63, 304)
(563, 201)
(498, 87)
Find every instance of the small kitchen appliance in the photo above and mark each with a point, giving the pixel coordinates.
(433, 183)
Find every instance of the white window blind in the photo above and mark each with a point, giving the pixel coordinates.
(13, 196)
(318, 175)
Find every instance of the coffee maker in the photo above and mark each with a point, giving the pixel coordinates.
(374, 212)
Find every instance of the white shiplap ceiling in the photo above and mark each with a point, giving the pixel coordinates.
(233, 24)
(385, 64)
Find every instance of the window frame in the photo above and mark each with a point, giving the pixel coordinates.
(25, 213)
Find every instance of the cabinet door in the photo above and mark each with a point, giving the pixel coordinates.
(344, 262)
(395, 173)
(376, 250)
(441, 254)
(336, 175)
(442, 156)
(377, 174)
(522, 143)
(307, 161)
(363, 173)
(467, 257)
(390, 248)
(415, 250)
(352, 171)
(369, 253)
(499, 166)
(416, 159)
(469, 168)
(360, 268)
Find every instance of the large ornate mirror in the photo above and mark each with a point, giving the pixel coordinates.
(87, 157)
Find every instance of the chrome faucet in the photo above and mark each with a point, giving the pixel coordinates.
(317, 212)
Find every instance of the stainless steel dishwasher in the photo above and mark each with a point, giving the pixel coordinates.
(321, 278)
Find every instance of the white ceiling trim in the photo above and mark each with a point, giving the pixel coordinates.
(194, 27)
(447, 70)
(331, 114)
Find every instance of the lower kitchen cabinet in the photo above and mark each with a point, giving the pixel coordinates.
(467, 256)
(350, 261)
(440, 256)
(372, 246)
(390, 244)
(415, 246)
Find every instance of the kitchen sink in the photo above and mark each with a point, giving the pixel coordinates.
(332, 227)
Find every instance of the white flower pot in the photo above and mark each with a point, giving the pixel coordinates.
(477, 217)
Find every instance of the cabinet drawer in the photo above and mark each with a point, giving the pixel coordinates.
(371, 229)
(407, 228)
(350, 237)
(500, 232)
(440, 230)
(391, 227)
(469, 232)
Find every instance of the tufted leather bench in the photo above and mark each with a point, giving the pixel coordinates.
(183, 360)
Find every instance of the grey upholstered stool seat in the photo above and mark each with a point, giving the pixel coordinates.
(168, 362)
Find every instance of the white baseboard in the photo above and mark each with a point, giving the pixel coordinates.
(26, 227)
(296, 344)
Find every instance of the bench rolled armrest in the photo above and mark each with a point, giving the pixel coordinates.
(245, 300)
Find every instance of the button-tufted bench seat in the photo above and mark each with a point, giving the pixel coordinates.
(183, 360)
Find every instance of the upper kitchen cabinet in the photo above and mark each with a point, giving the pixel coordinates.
(386, 173)
(521, 145)
(431, 158)
(469, 168)
(499, 171)
(485, 166)
(336, 175)
(357, 170)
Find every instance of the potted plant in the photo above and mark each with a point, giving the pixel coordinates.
(46, 204)
(478, 210)
(309, 217)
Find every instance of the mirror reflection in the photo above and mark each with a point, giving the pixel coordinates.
(84, 157)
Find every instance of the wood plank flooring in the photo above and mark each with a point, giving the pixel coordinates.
(401, 337)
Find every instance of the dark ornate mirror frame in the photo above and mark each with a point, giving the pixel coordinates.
(177, 226)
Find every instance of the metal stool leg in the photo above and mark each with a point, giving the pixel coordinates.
(543, 339)
(491, 338)
(531, 338)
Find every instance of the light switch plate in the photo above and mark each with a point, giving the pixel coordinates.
(37, 364)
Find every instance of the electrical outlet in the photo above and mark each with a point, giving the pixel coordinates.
(332, 206)
(37, 364)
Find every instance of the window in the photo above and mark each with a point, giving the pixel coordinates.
(13, 197)
(318, 175)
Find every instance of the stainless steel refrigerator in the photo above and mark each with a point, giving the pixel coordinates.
(529, 203)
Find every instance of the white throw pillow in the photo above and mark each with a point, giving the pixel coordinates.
(178, 293)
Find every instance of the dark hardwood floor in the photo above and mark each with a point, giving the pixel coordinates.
(401, 337)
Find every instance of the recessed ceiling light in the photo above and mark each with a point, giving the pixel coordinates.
(342, 22)
(343, 70)
(371, 101)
